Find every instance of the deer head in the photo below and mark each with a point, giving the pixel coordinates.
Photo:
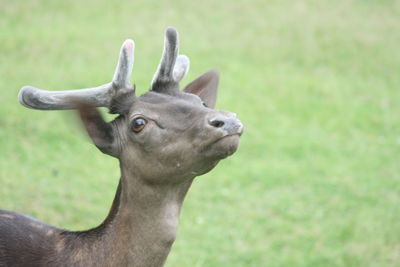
(165, 135)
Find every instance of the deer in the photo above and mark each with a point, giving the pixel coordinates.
(162, 139)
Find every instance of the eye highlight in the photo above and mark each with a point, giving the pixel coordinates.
(138, 124)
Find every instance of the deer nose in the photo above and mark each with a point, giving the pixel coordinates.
(231, 125)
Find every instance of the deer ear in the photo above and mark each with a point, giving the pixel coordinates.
(100, 131)
(205, 87)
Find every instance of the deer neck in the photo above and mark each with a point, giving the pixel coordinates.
(143, 221)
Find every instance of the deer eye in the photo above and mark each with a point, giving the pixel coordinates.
(138, 124)
(205, 105)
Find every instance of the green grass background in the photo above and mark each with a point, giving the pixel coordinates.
(316, 181)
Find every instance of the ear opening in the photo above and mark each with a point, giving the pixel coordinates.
(205, 86)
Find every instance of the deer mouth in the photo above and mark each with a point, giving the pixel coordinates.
(225, 145)
(230, 138)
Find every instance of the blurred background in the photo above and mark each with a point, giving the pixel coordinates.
(316, 180)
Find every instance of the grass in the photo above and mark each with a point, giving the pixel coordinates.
(316, 181)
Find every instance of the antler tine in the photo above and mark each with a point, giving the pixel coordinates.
(124, 67)
(181, 68)
(100, 96)
(172, 67)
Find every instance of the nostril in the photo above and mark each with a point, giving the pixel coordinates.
(217, 123)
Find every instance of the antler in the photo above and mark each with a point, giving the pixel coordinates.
(173, 67)
(100, 96)
(170, 72)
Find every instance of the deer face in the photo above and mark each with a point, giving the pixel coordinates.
(165, 132)
(175, 135)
